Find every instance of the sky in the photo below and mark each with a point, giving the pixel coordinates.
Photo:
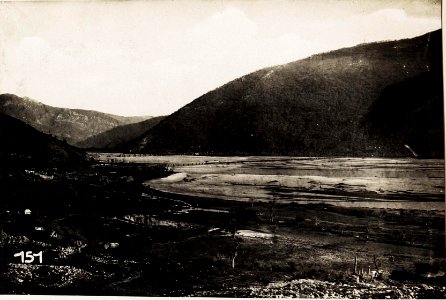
(150, 58)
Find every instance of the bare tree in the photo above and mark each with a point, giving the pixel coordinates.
(234, 253)
(355, 268)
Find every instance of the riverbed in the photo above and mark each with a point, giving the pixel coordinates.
(350, 182)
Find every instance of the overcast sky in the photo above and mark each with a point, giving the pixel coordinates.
(153, 57)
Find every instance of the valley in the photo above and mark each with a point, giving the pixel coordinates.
(319, 178)
(126, 226)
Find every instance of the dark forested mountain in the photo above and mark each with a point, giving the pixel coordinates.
(72, 125)
(22, 144)
(116, 136)
(375, 99)
(410, 113)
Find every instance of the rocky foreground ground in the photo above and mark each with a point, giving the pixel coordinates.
(310, 288)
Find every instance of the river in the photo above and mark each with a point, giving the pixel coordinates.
(404, 183)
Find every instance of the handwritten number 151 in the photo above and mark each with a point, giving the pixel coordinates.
(28, 256)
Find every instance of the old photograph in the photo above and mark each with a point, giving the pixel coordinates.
(232, 148)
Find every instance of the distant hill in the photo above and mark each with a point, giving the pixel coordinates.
(116, 136)
(331, 104)
(22, 144)
(72, 125)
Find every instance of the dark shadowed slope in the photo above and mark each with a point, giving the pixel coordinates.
(121, 134)
(21, 144)
(410, 113)
(313, 107)
(72, 125)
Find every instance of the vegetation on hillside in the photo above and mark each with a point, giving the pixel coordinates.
(410, 113)
(23, 145)
(72, 125)
(320, 106)
(113, 138)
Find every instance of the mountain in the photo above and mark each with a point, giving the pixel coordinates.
(116, 136)
(72, 125)
(22, 144)
(329, 104)
(410, 113)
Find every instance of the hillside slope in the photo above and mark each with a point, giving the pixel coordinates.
(319, 106)
(112, 138)
(410, 113)
(22, 144)
(72, 125)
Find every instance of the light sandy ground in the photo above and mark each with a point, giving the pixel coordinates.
(174, 178)
(253, 234)
(360, 182)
